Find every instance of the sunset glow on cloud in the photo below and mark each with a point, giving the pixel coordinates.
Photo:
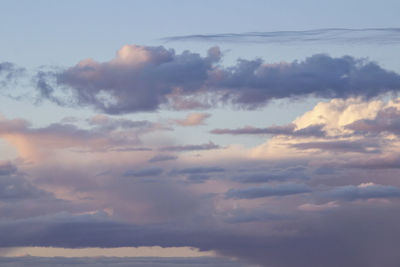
(165, 138)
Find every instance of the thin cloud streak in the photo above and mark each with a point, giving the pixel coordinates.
(365, 36)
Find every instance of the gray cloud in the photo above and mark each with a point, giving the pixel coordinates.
(144, 172)
(148, 78)
(208, 146)
(105, 134)
(386, 162)
(118, 261)
(258, 215)
(367, 191)
(198, 170)
(7, 168)
(290, 130)
(328, 35)
(340, 146)
(387, 120)
(139, 79)
(158, 158)
(348, 236)
(9, 73)
(268, 191)
(15, 188)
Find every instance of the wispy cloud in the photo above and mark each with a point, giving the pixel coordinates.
(328, 35)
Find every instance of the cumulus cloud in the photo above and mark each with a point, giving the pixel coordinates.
(142, 78)
(139, 78)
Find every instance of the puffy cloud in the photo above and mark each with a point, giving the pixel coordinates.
(142, 78)
(139, 78)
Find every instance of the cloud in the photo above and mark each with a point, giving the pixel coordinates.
(386, 120)
(161, 157)
(364, 191)
(198, 170)
(142, 78)
(270, 175)
(105, 134)
(325, 239)
(290, 130)
(382, 162)
(121, 262)
(209, 146)
(144, 172)
(7, 168)
(139, 78)
(9, 73)
(193, 119)
(340, 146)
(15, 188)
(318, 207)
(329, 35)
(268, 191)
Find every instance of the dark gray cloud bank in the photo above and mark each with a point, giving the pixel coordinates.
(311, 240)
(121, 262)
(148, 78)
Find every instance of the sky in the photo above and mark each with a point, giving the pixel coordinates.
(208, 133)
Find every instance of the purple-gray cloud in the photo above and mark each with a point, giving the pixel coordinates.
(161, 157)
(268, 191)
(364, 191)
(340, 146)
(144, 172)
(144, 78)
(9, 73)
(207, 146)
(290, 130)
(118, 261)
(7, 168)
(387, 120)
